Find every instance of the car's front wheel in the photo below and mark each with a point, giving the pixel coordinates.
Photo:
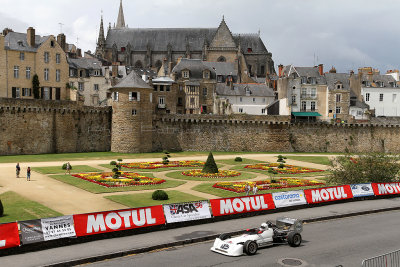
(250, 247)
(294, 239)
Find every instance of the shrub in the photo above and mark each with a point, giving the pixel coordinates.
(165, 159)
(113, 162)
(238, 159)
(1, 209)
(281, 166)
(64, 166)
(159, 195)
(210, 166)
(120, 160)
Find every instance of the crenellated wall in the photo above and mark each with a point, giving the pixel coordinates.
(40, 126)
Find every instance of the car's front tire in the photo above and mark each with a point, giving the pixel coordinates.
(294, 239)
(250, 247)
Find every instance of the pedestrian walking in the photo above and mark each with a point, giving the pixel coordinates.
(68, 168)
(247, 189)
(255, 189)
(17, 169)
(28, 174)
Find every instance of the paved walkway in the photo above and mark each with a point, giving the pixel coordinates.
(68, 199)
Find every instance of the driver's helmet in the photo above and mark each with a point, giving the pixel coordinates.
(264, 226)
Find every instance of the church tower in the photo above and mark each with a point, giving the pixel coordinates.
(101, 41)
(120, 19)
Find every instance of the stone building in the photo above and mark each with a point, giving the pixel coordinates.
(339, 93)
(132, 117)
(22, 55)
(140, 47)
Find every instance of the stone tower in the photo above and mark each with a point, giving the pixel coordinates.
(120, 19)
(101, 41)
(132, 124)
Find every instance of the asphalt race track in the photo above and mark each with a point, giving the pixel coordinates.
(337, 242)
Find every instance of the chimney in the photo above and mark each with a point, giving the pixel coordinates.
(114, 70)
(7, 31)
(30, 37)
(351, 72)
(78, 52)
(61, 40)
(280, 68)
(321, 69)
(169, 67)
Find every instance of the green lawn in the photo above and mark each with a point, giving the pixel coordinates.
(147, 170)
(19, 208)
(179, 175)
(313, 159)
(233, 162)
(207, 188)
(144, 199)
(58, 169)
(95, 188)
(308, 174)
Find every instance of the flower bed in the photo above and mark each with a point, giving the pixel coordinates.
(126, 179)
(220, 174)
(239, 187)
(159, 164)
(287, 169)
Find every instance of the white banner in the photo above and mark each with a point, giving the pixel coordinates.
(187, 211)
(58, 227)
(289, 198)
(362, 190)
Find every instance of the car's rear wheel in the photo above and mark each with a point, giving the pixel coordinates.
(224, 236)
(250, 247)
(294, 239)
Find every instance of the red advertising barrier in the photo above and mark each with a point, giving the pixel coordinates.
(327, 194)
(9, 236)
(235, 205)
(117, 220)
(381, 189)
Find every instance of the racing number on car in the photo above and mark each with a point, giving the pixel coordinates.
(224, 246)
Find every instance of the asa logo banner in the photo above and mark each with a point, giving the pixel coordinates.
(109, 221)
(235, 205)
(386, 188)
(290, 198)
(327, 194)
(362, 190)
(9, 236)
(187, 211)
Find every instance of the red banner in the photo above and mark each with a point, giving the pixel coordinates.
(9, 236)
(117, 220)
(327, 194)
(386, 188)
(235, 205)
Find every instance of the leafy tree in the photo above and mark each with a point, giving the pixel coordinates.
(210, 166)
(368, 168)
(35, 86)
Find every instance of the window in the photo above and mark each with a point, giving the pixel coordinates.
(161, 100)
(161, 88)
(46, 57)
(220, 79)
(46, 93)
(359, 112)
(303, 80)
(185, 74)
(46, 74)
(206, 74)
(151, 97)
(71, 84)
(81, 86)
(312, 105)
(367, 97)
(263, 111)
(96, 87)
(367, 84)
(180, 101)
(58, 75)
(303, 92)
(204, 109)
(71, 72)
(337, 110)
(134, 96)
(262, 69)
(16, 72)
(52, 43)
(339, 86)
(192, 89)
(167, 88)
(241, 99)
(122, 49)
(313, 92)
(16, 92)
(22, 56)
(303, 105)
(28, 72)
(115, 96)
(26, 92)
(338, 98)
(97, 73)
(134, 112)
(312, 80)
(192, 101)
(240, 110)
(254, 99)
(394, 96)
(264, 100)
(293, 99)
(58, 58)
(380, 97)
(204, 91)
(180, 87)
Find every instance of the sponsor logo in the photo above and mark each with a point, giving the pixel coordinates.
(392, 188)
(228, 206)
(288, 196)
(365, 188)
(184, 208)
(327, 194)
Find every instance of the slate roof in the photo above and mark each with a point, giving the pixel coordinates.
(310, 72)
(239, 89)
(159, 38)
(84, 63)
(222, 68)
(359, 104)
(386, 79)
(333, 78)
(195, 66)
(12, 39)
(132, 80)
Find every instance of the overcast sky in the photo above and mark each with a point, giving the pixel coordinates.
(347, 34)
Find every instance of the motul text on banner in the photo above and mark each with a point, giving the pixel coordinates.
(327, 194)
(109, 221)
(386, 188)
(235, 205)
(9, 236)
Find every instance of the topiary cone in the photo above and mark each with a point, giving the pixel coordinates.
(210, 166)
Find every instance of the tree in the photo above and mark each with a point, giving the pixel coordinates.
(368, 168)
(210, 166)
(35, 86)
(165, 159)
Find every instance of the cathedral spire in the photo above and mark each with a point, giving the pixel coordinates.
(120, 19)
(101, 39)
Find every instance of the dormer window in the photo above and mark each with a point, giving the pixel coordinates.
(20, 43)
(367, 83)
(206, 74)
(122, 49)
(185, 74)
(381, 84)
(249, 50)
(248, 92)
(303, 80)
(313, 80)
(339, 86)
